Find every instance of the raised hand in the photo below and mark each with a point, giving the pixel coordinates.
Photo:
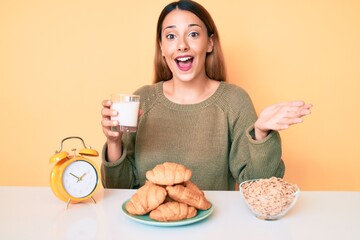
(107, 123)
(280, 116)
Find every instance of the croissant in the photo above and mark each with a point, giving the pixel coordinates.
(189, 196)
(172, 211)
(145, 199)
(169, 173)
(190, 185)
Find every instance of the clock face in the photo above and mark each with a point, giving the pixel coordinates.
(80, 179)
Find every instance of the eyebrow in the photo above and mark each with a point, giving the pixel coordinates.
(190, 25)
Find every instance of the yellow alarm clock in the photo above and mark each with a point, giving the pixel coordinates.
(74, 178)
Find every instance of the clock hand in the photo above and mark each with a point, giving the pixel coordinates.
(75, 176)
(82, 177)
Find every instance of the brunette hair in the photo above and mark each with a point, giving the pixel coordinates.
(214, 63)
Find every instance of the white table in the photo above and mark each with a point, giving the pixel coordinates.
(35, 213)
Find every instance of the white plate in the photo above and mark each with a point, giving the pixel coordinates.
(201, 214)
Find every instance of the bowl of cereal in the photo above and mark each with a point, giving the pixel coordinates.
(269, 199)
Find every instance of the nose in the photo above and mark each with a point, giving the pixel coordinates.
(183, 45)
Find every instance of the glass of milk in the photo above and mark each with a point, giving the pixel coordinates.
(127, 107)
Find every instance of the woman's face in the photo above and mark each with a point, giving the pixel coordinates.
(184, 44)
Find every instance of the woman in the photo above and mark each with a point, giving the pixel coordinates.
(190, 115)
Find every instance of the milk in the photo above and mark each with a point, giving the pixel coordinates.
(128, 113)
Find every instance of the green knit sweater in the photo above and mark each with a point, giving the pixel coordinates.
(213, 138)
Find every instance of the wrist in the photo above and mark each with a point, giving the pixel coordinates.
(259, 133)
(114, 150)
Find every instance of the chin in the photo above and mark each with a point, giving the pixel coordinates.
(184, 78)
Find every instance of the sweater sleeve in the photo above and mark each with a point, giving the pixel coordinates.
(250, 158)
(122, 172)
(265, 156)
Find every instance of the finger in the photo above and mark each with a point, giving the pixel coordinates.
(309, 105)
(106, 103)
(109, 123)
(290, 104)
(291, 121)
(283, 127)
(290, 108)
(297, 103)
(107, 112)
(296, 113)
(304, 112)
(280, 126)
(109, 127)
(307, 108)
(111, 134)
(301, 110)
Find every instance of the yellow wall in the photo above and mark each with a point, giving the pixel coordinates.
(59, 59)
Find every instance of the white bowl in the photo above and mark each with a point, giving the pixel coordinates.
(269, 204)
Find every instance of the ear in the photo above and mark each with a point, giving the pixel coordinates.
(210, 47)
(162, 53)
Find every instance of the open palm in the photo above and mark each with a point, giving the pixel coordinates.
(281, 115)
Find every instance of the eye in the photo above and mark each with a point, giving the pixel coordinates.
(193, 34)
(170, 36)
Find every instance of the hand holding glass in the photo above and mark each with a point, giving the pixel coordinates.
(127, 107)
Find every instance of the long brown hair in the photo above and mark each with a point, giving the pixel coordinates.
(214, 63)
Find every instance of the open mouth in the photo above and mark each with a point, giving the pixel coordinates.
(184, 63)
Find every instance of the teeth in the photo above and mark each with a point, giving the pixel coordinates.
(183, 59)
